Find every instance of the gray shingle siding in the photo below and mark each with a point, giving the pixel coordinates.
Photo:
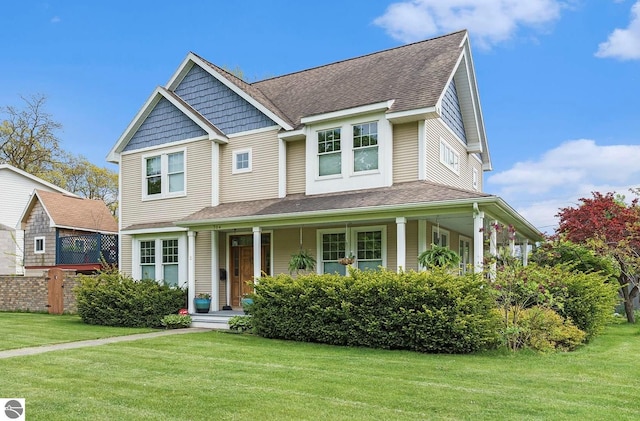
(219, 104)
(164, 124)
(451, 113)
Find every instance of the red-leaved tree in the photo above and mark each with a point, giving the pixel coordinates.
(611, 227)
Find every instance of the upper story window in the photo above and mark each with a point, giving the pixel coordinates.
(38, 245)
(449, 157)
(164, 175)
(241, 161)
(329, 152)
(365, 146)
(476, 178)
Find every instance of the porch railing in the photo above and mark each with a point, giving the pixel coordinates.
(87, 249)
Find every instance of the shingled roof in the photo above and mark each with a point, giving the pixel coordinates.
(415, 192)
(74, 212)
(413, 75)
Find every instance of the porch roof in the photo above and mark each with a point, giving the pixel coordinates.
(410, 199)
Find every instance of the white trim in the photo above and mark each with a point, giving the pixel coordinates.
(475, 178)
(354, 241)
(349, 112)
(422, 150)
(253, 131)
(150, 231)
(35, 245)
(183, 255)
(462, 262)
(319, 251)
(215, 270)
(191, 270)
(176, 144)
(448, 149)
(215, 174)
(164, 174)
(423, 241)
(435, 229)
(282, 168)
(351, 244)
(191, 59)
(401, 243)
(293, 135)
(234, 160)
(413, 115)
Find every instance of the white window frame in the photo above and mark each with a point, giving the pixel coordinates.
(158, 263)
(35, 245)
(339, 152)
(449, 157)
(475, 179)
(164, 174)
(234, 164)
(351, 245)
(464, 265)
(435, 230)
(361, 148)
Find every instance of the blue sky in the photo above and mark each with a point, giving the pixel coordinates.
(559, 81)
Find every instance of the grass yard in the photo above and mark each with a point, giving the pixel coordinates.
(19, 330)
(224, 376)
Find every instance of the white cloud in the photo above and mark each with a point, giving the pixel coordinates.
(574, 169)
(56, 19)
(489, 21)
(624, 44)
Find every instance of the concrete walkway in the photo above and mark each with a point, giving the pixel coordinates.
(95, 342)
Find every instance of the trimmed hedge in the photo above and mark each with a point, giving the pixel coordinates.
(422, 311)
(113, 299)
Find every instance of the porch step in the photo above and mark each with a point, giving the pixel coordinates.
(213, 320)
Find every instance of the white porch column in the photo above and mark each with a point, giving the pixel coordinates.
(401, 246)
(422, 239)
(512, 247)
(525, 252)
(478, 241)
(493, 244)
(191, 270)
(215, 271)
(257, 253)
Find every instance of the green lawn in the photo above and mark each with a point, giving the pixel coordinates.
(216, 375)
(19, 330)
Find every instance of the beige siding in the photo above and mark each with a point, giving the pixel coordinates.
(262, 181)
(412, 245)
(438, 172)
(286, 242)
(198, 180)
(405, 152)
(203, 261)
(296, 167)
(125, 254)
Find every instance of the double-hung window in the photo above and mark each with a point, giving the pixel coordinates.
(329, 152)
(369, 246)
(160, 260)
(164, 175)
(333, 249)
(449, 157)
(365, 146)
(440, 237)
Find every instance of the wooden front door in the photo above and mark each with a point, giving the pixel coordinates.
(241, 267)
(55, 285)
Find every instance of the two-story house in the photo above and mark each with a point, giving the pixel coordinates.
(378, 157)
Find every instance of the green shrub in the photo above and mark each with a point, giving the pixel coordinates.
(542, 329)
(176, 321)
(113, 299)
(241, 324)
(423, 311)
(587, 299)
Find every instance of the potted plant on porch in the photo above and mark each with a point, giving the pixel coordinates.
(202, 302)
(302, 260)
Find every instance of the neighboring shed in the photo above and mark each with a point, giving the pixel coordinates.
(68, 232)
